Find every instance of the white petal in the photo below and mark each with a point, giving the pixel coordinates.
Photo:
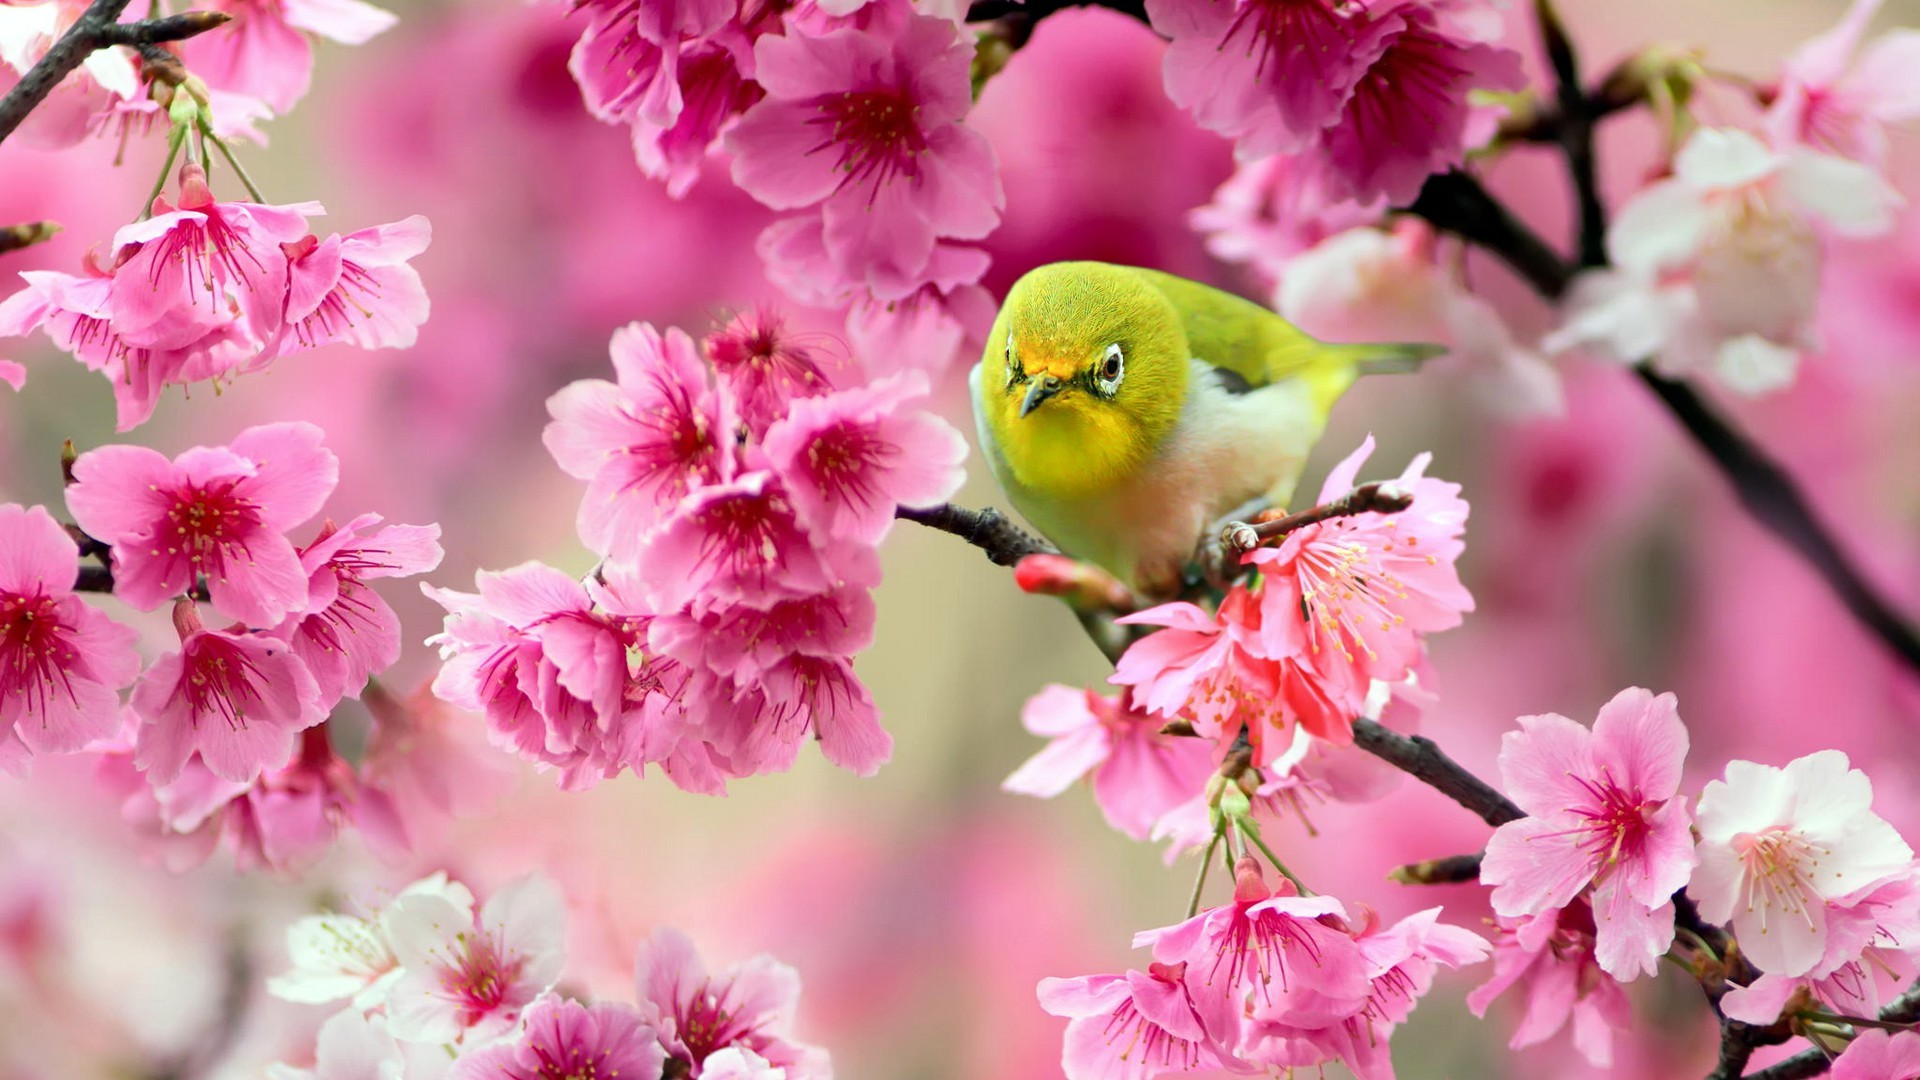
(1715, 159)
(1752, 365)
(1659, 227)
(1847, 195)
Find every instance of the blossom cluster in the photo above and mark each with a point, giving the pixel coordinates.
(736, 490)
(255, 66)
(208, 290)
(1271, 980)
(436, 984)
(852, 115)
(226, 734)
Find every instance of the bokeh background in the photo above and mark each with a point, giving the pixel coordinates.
(922, 905)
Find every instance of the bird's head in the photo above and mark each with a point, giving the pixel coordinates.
(1084, 374)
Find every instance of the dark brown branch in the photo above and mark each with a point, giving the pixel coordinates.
(1422, 759)
(97, 28)
(989, 530)
(1379, 497)
(1771, 496)
(94, 579)
(1455, 202)
(15, 237)
(1904, 1009)
(989, 10)
(1577, 116)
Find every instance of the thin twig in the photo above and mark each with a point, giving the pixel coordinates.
(15, 237)
(1577, 116)
(1379, 497)
(1904, 1009)
(1451, 870)
(1422, 759)
(97, 28)
(989, 530)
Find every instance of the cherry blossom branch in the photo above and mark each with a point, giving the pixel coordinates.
(1904, 1009)
(1422, 759)
(1577, 117)
(989, 530)
(99, 27)
(15, 237)
(1451, 870)
(1378, 497)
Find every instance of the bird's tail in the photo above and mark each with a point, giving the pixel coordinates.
(1394, 358)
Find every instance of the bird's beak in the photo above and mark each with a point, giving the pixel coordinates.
(1042, 388)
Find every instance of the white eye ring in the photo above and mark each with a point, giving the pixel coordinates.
(1113, 368)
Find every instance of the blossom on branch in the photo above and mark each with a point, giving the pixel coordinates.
(701, 1016)
(1139, 775)
(265, 51)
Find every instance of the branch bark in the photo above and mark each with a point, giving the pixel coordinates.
(1422, 758)
(989, 530)
(99, 27)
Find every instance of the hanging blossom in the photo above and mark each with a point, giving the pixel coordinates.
(211, 290)
(1551, 956)
(1838, 98)
(1717, 269)
(1372, 97)
(62, 663)
(266, 51)
(1139, 775)
(1270, 981)
(1784, 851)
(737, 490)
(1604, 812)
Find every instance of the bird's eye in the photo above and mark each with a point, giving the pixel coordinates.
(1112, 366)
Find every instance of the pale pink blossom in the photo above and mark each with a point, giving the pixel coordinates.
(564, 1038)
(1780, 847)
(1872, 931)
(200, 259)
(1879, 1055)
(928, 330)
(62, 663)
(1717, 269)
(1604, 811)
(356, 289)
(1410, 114)
(215, 512)
(1838, 98)
(849, 459)
(699, 1016)
(351, 1046)
(468, 977)
(1139, 775)
(866, 124)
(818, 696)
(1271, 954)
(739, 643)
(265, 52)
(766, 366)
(1269, 74)
(238, 699)
(337, 956)
(738, 1063)
(1551, 955)
(645, 443)
(1368, 283)
(1276, 208)
(1370, 586)
(1134, 1026)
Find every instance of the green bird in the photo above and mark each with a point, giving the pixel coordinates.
(1124, 410)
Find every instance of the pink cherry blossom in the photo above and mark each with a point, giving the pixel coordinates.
(929, 329)
(355, 288)
(739, 643)
(1551, 955)
(1371, 585)
(1409, 115)
(106, 77)
(1838, 102)
(742, 542)
(850, 458)
(698, 1015)
(264, 52)
(351, 1046)
(62, 663)
(1603, 811)
(1269, 74)
(820, 696)
(643, 444)
(470, 977)
(1139, 775)
(346, 633)
(1134, 1026)
(238, 699)
(75, 312)
(1779, 847)
(214, 512)
(200, 258)
(1879, 1055)
(1276, 208)
(1718, 267)
(866, 123)
(1275, 955)
(766, 366)
(607, 1039)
